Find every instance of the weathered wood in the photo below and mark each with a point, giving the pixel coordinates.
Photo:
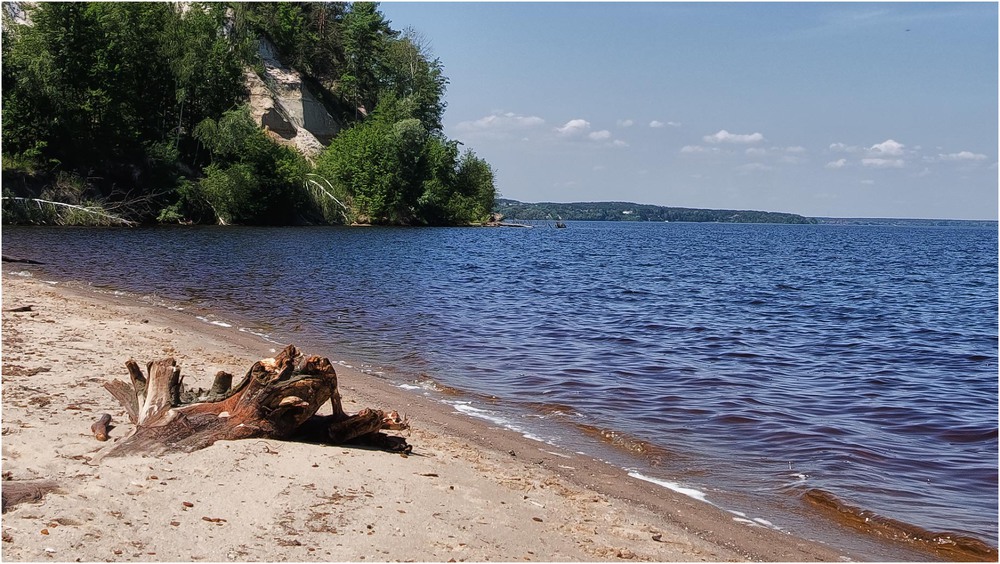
(276, 399)
(15, 492)
(222, 383)
(138, 383)
(100, 427)
(125, 396)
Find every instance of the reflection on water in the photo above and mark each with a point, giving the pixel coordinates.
(862, 359)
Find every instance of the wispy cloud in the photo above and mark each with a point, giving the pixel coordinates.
(882, 163)
(844, 148)
(499, 124)
(962, 156)
(581, 129)
(839, 163)
(698, 149)
(723, 136)
(625, 123)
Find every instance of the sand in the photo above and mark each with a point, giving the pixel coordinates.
(468, 492)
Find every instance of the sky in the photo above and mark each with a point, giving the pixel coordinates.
(821, 109)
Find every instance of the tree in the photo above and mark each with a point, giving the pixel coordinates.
(365, 36)
(207, 65)
(414, 75)
(88, 105)
(251, 179)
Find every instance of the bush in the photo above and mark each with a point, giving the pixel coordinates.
(251, 179)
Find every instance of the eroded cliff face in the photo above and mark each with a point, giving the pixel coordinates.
(286, 107)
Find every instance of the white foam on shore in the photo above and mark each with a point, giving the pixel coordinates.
(425, 386)
(742, 517)
(690, 492)
(744, 521)
(218, 323)
(263, 336)
(467, 409)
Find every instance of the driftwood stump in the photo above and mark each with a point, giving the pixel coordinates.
(277, 399)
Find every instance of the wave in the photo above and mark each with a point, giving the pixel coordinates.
(948, 545)
(652, 453)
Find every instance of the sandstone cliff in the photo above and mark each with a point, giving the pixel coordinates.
(287, 108)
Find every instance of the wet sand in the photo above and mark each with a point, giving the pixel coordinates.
(469, 491)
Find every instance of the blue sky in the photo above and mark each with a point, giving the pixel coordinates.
(821, 109)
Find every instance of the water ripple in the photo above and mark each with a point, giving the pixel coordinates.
(865, 357)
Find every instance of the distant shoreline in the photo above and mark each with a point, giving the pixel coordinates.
(515, 210)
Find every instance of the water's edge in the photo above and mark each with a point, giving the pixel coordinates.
(810, 513)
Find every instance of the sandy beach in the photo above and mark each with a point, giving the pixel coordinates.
(468, 491)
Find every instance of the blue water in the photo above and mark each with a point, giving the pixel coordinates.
(769, 359)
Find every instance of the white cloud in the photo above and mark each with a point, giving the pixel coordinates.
(500, 122)
(724, 136)
(869, 182)
(962, 156)
(656, 124)
(574, 127)
(692, 149)
(839, 163)
(882, 163)
(844, 148)
(795, 149)
(625, 123)
(580, 129)
(888, 148)
(756, 151)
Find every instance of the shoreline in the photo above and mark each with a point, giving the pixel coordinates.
(576, 508)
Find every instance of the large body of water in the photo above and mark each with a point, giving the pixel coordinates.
(854, 365)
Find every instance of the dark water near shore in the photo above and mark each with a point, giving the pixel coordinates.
(800, 364)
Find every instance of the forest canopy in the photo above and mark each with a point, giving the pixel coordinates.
(93, 119)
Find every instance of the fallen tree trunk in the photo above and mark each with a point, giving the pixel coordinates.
(276, 399)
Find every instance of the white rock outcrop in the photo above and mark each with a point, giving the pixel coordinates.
(285, 107)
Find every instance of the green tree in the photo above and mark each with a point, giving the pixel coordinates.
(414, 75)
(365, 35)
(251, 180)
(207, 59)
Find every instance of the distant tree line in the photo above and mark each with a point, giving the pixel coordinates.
(139, 110)
(625, 211)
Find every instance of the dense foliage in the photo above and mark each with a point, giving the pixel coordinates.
(624, 211)
(90, 120)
